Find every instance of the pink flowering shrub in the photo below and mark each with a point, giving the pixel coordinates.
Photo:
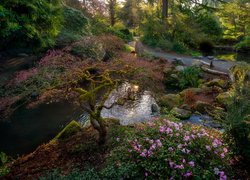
(51, 54)
(22, 76)
(170, 150)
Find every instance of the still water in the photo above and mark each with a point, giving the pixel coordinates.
(28, 128)
(232, 56)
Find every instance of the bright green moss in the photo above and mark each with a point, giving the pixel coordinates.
(72, 128)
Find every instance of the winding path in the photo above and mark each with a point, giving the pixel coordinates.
(219, 65)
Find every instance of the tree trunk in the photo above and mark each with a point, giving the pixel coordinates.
(112, 4)
(164, 9)
(98, 124)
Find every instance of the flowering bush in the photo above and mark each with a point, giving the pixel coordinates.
(173, 150)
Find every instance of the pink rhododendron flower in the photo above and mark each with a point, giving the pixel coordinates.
(186, 138)
(225, 150)
(222, 175)
(191, 163)
(170, 149)
(162, 129)
(179, 166)
(180, 146)
(159, 144)
(171, 164)
(188, 174)
(208, 148)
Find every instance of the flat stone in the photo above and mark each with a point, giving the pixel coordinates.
(210, 57)
(179, 68)
(181, 113)
(170, 101)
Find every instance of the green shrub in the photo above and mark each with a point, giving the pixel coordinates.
(33, 24)
(165, 44)
(74, 175)
(89, 47)
(179, 47)
(189, 77)
(98, 25)
(123, 171)
(3, 160)
(243, 45)
(124, 34)
(210, 25)
(237, 122)
(165, 149)
(75, 26)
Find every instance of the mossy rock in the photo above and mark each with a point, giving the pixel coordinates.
(181, 113)
(72, 128)
(217, 82)
(202, 107)
(170, 100)
(224, 98)
(191, 90)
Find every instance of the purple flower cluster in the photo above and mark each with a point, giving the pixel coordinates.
(146, 152)
(221, 174)
(180, 143)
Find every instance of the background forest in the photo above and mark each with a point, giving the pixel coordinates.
(176, 25)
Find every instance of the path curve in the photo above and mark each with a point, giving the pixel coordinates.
(219, 65)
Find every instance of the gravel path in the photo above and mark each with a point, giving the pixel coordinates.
(220, 65)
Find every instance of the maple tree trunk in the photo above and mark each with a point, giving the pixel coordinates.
(98, 124)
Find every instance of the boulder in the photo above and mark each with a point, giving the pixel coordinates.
(179, 68)
(154, 108)
(178, 61)
(217, 82)
(202, 107)
(224, 98)
(139, 49)
(197, 63)
(170, 100)
(168, 70)
(181, 113)
(210, 57)
(191, 90)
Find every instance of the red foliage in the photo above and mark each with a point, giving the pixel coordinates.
(46, 60)
(22, 76)
(189, 97)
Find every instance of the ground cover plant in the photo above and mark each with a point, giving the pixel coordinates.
(162, 148)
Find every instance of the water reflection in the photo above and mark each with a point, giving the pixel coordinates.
(232, 56)
(137, 110)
